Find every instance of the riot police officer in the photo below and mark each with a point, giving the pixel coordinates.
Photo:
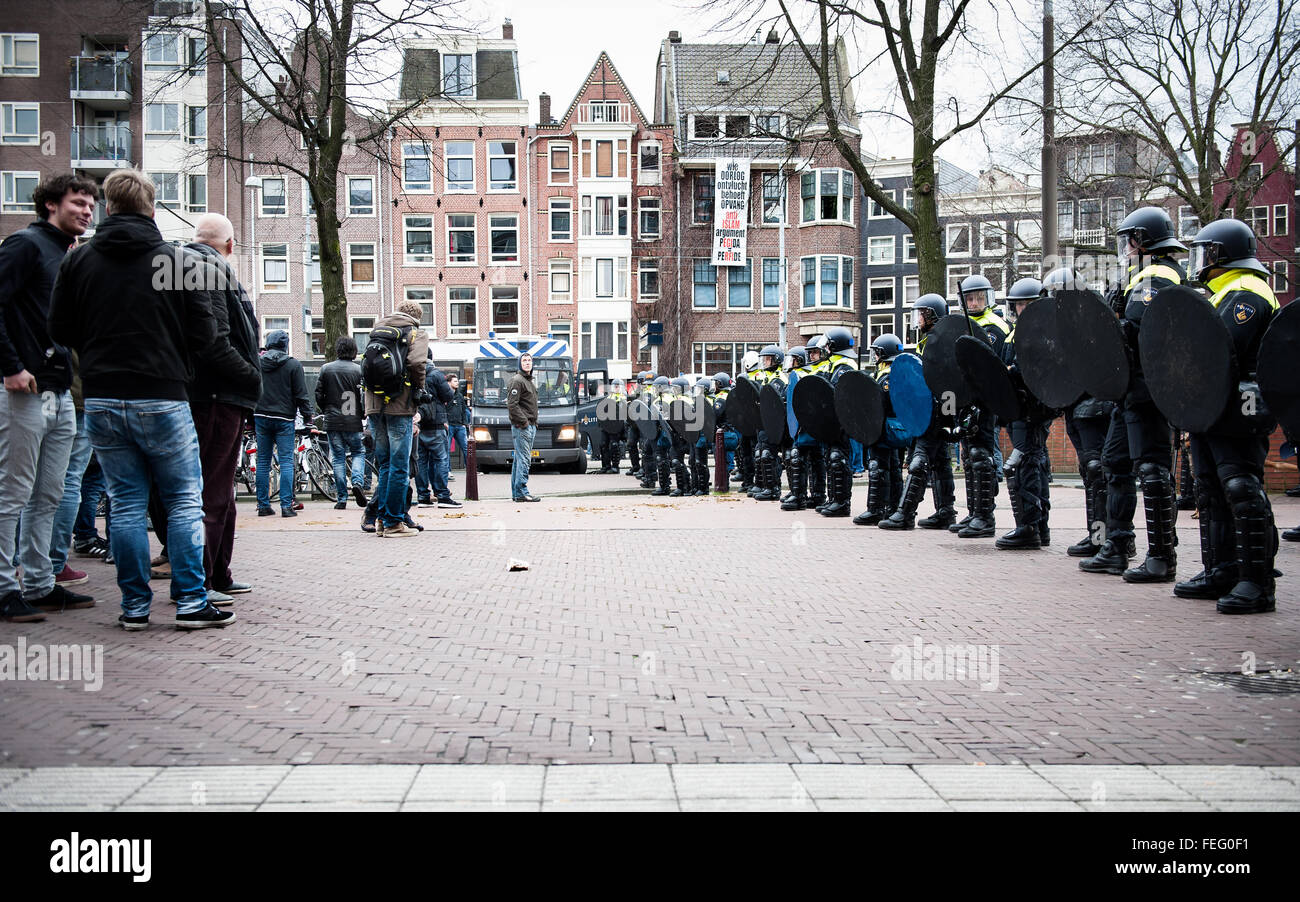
(884, 467)
(829, 358)
(700, 448)
(611, 445)
(1139, 432)
(633, 431)
(661, 444)
(804, 445)
(730, 437)
(1229, 459)
(767, 452)
(745, 449)
(648, 431)
(929, 460)
(677, 449)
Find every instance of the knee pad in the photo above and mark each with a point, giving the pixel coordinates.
(1148, 472)
(1241, 488)
(979, 455)
(1009, 466)
(837, 457)
(919, 464)
(1094, 470)
(794, 456)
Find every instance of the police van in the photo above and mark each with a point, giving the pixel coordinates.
(559, 441)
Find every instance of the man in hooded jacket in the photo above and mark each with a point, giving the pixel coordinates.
(284, 393)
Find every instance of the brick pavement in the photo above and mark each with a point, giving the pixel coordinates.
(692, 631)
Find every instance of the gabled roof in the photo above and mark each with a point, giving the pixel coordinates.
(603, 61)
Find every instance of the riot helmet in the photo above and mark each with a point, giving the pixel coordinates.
(886, 347)
(1145, 231)
(749, 362)
(1061, 279)
(1020, 294)
(722, 381)
(661, 383)
(927, 310)
(816, 347)
(796, 357)
(977, 292)
(775, 353)
(838, 340)
(1224, 244)
(681, 385)
(703, 386)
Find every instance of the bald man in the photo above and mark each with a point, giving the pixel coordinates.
(227, 384)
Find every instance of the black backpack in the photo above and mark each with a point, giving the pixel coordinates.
(383, 367)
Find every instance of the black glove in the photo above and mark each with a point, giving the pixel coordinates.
(423, 396)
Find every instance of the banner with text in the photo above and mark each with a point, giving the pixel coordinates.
(730, 211)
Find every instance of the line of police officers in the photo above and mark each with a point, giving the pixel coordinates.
(1119, 445)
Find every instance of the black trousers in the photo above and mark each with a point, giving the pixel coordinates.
(1027, 471)
(1138, 434)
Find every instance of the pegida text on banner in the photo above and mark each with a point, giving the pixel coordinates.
(730, 211)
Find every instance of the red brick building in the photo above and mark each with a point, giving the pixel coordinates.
(1270, 183)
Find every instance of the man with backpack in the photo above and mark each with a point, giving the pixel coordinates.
(393, 372)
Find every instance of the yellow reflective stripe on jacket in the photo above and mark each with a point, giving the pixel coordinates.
(1154, 271)
(836, 360)
(1240, 280)
(989, 318)
(882, 368)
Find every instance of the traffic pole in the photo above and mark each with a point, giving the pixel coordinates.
(471, 466)
(721, 478)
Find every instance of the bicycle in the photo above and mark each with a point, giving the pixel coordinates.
(319, 467)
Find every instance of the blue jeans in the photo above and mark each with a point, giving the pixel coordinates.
(274, 436)
(66, 516)
(457, 433)
(522, 460)
(434, 463)
(393, 460)
(856, 458)
(92, 489)
(341, 445)
(138, 442)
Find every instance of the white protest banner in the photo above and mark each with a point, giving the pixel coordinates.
(730, 211)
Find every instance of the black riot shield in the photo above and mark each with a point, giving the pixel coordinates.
(1278, 372)
(612, 415)
(1093, 344)
(939, 364)
(640, 412)
(1187, 358)
(814, 405)
(860, 407)
(1040, 356)
(742, 407)
(988, 377)
(909, 395)
(702, 422)
(771, 408)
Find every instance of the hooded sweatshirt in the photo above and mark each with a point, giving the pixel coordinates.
(136, 331)
(521, 399)
(29, 261)
(284, 387)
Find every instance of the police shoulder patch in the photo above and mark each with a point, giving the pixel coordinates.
(1242, 312)
(1147, 295)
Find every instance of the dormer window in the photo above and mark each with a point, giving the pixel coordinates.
(458, 75)
(724, 77)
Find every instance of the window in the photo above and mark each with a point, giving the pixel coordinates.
(18, 188)
(1280, 280)
(705, 126)
(909, 202)
(959, 240)
(361, 196)
(880, 292)
(955, 275)
(827, 195)
(318, 336)
(423, 297)
(196, 124)
(20, 55)
(768, 125)
(162, 119)
(1280, 224)
(773, 198)
(504, 238)
(417, 167)
(561, 163)
(773, 282)
(611, 214)
(1188, 222)
(604, 277)
(560, 330)
(911, 290)
(196, 51)
(417, 233)
(162, 50)
(275, 269)
(272, 323)
(880, 250)
(273, 200)
(605, 344)
(501, 166)
(828, 279)
(196, 193)
(879, 212)
(608, 164)
(909, 248)
(702, 209)
(308, 202)
(361, 267)
(739, 293)
(167, 187)
(1089, 215)
(1065, 219)
(877, 325)
(561, 219)
(505, 308)
(1116, 210)
(647, 172)
(1254, 173)
(648, 277)
(313, 263)
(705, 284)
(994, 275)
(737, 126)
(22, 123)
(1257, 219)
(460, 166)
(462, 311)
(361, 326)
(561, 272)
(1029, 235)
(993, 239)
(461, 238)
(648, 221)
(458, 74)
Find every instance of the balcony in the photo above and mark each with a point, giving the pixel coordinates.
(101, 81)
(99, 149)
(1089, 238)
(604, 111)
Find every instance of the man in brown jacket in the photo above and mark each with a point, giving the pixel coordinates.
(391, 422)
(521, 401)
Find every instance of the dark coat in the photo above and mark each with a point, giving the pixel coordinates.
(229, 371)
(29, 262)
(284, 387)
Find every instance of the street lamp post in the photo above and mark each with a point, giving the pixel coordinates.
(253, 182)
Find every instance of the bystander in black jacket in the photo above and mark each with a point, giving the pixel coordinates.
(29, 260)
(229, 372)
(137, 331)
(340, 380)
(458, 410)
(434, 412)
(284, 387)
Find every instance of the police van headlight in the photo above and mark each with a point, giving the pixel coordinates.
(568, 433)
(483, 436)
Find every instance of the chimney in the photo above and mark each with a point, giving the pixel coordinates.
(507, 30)
(543, 109)
(772, 37)
(674, 37)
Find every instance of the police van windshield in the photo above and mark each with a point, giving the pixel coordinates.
(553, 377)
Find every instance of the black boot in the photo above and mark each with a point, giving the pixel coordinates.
(839, 486)
(877, 495)
(1025, 535)
(1020, 538)
(1218, 557)
(1044, 534)
(1291, 535)
(913, 491)
(1158, 500)
(665, 469)
(789, 476)
(815, 466)
(683, 479)
(1252, 519)
(1110, 558)
(982, 523)
(797, 500)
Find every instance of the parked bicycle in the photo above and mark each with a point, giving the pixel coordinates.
(312, 466)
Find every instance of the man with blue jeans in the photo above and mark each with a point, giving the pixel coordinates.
(338, 398)
(521, 402)
(458, 419)
(391, 421)
(138, 347)
(434, 460)
(284, 394)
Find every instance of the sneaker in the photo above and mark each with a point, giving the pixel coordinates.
(451, 477)
(449, 502)
(60, 599)
(70, 577)
(236, 589)
(94, 547)
(15, 610)
(160, 559)
(205, 618)
(219, 599)
(289, 512)
(425, 502)
(368, 525)
(298, 505)
(359, 496)
(400, 531)
(265, 512)
(411, 524)
(378, 530)
(133, 624)
(341, 506)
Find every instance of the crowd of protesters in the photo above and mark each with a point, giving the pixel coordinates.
(135, 400)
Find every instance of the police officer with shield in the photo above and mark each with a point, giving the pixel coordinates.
(633, 430)
(649, 431)
(1139, 433)
(804, 448)
(730, 437)
(611, 444)
(884, 464)
(700, 448)
(745, 449)
(828, 357)
(1228, 460)
(767, 452)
